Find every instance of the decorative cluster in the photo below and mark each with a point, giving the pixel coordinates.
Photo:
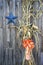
(26, 28)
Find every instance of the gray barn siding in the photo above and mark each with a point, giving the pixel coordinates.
(14, 55)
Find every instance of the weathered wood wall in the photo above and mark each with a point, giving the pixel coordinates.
(13, 55)
(9, 55)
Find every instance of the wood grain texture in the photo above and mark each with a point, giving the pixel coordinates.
(14, 55)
